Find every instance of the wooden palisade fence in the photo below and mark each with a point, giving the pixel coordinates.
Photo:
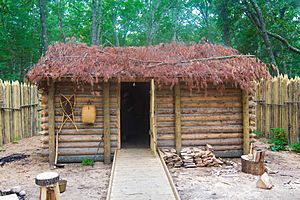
(278, 106)
(19, 116)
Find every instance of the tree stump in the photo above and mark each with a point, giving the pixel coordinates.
(48, 181)
(252, 167)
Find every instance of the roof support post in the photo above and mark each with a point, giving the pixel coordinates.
(177, 118)
(51, 122)
(106, 133)
(245, 103)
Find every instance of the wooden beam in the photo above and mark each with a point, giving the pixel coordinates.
(153, 139)
(1, 114)
(119, 115)
(106, 123)
(51, 122)
(177, 118)
(245, 102)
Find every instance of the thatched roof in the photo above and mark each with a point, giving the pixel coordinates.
(196, 64)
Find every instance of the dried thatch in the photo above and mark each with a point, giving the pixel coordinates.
(197, 64)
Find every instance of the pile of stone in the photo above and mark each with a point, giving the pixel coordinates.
(171, 158)
(13, 193)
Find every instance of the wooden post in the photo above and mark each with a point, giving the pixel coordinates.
(294, 111)
(268, 108)
(119, 115)
(152, 117)
(177, 118)
(106, 123)
(1, 118)
(51, 122)
(7, 112)
(17, 113)
(245, 102)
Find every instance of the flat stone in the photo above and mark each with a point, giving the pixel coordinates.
(9, 197)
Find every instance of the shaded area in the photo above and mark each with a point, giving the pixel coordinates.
(135, 114)
(12, 158)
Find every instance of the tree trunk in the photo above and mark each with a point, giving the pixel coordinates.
(114, 21)
(61, 28)
(43, 25)
(99, 21)
(152, 24)
(256, 17)
(94, 22)
(225, 20)
(175, 14)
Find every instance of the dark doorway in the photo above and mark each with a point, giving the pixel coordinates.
(135, 100)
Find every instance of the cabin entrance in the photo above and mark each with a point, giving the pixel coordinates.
(135, 106)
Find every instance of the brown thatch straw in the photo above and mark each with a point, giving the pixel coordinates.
(196, 64)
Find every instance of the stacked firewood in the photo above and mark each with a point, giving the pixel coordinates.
(171, 158)
(191, 157)
(206, 159)
(197, 157)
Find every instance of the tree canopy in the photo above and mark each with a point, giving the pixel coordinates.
(268, 29)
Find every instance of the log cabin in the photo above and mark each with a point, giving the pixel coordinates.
(167, 95)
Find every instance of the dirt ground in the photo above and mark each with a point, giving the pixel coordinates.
(88, 183)
(84, 182)
(230, 183)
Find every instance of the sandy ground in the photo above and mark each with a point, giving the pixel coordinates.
(231, 183)
(89, 183)
(84, 182)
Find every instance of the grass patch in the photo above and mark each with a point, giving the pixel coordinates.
(278, 139)
(87, 162)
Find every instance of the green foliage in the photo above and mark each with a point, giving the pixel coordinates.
(146, 22)
(278, 139)
(295, 147)
(258, 134)
(87, 162)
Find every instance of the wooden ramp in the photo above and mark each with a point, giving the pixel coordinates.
(137, 174)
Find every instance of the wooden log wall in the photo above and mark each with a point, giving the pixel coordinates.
(165, 117)
(207, 117)
(277, 106)
(75, 146)
(18, 111)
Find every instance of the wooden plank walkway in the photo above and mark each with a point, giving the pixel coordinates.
(138, 174)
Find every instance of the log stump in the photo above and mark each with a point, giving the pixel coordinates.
(252, 167)
(48, 182)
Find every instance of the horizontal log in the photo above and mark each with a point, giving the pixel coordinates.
(78, 119)
(213, 142)
(82, 144)
(82, 132)
(86, 99)
(204, 129)
(78, 151)
(202, 105)
(80, 138)
(212, 123)
(78, 159)
(200, 111)
(97, 104)
(69, 125)
(201, 118)
(195, 136)
(202, 98)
